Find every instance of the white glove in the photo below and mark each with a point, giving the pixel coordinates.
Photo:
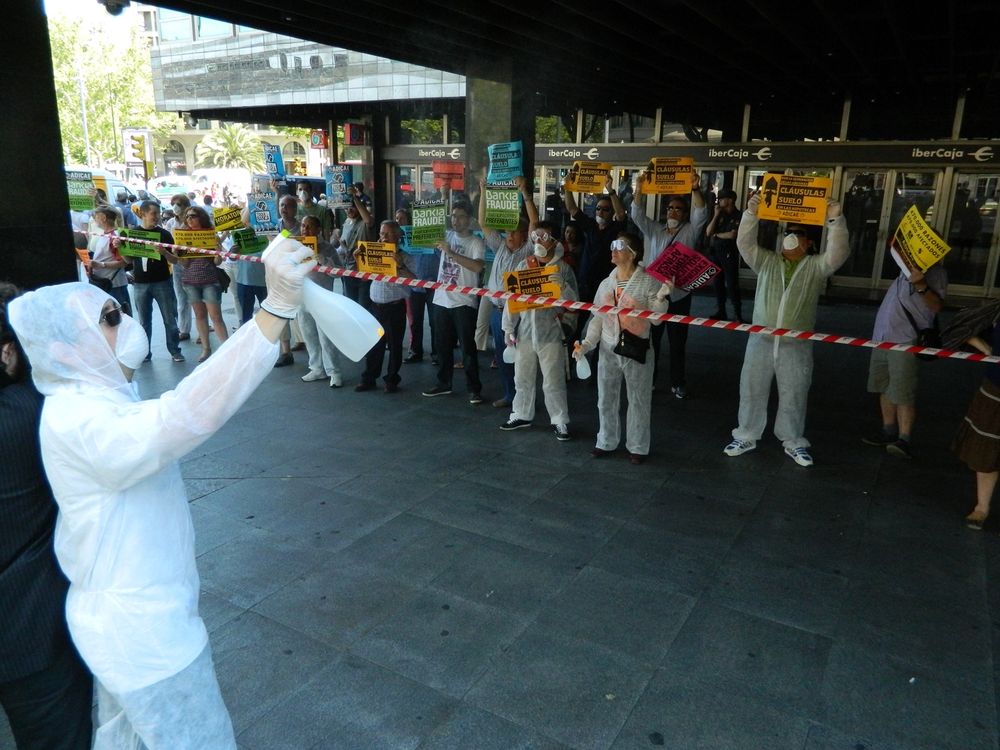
(510, 340)
(580, 350)
(753, 203)
(286, 264)
(833, 209)
(665, 290)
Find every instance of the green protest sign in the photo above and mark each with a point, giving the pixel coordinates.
(247, 242)
(81, 191)
(139, 249)
(428, 223)
(503, 208)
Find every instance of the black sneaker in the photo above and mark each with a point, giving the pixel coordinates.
(475, 398)
(438, 390)
(900, 448)
(515, 424)
(880, 438)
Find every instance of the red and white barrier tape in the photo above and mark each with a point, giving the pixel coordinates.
(688, 320)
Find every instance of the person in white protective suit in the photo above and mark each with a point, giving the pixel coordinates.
(539, 339)
(124, 535)
(628, 285)
(788, 287)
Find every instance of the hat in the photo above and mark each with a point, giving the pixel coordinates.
(731, 194)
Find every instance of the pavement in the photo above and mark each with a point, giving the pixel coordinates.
(393, 571)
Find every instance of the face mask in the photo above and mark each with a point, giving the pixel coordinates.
(791, 242)
(673, 223)
(541, 251)
(303, 196)
(132, 346)
(601, 221)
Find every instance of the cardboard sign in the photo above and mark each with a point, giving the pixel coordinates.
(310, 242)
(273, 161)
(787, 197)
(409, 248)
(195, 238)
(506, 163)
(915, 244)
(248, 242)
(81, 191)
(588, 176)
(376, 257)
(264, 216)
(530, 281)
(226, 218)
(687, 268)
(450, 174)
(428, 223)
(669, 176)
(84, 257)
(503, 208)
(338, 179)
(139, 249)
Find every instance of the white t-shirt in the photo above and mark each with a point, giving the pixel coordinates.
(450, 272)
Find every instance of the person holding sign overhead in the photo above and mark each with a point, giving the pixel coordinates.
(788, 287)
(201, 285)
(599, 233)
(657, 237)
(357, 228)
(538, 336)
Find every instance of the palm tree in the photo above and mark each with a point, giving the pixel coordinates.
(232, 145)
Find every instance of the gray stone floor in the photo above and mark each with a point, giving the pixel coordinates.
(392, 571)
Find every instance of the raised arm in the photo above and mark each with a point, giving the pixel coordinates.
(568, 200)
(616, 201)
(838, 246)
(529, 202)
(746, 237)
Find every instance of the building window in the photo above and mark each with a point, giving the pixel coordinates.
(209, 28)
(175, 26)
(293, 149)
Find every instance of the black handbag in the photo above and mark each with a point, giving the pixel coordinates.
(930, 337)
(632, 346)
(223, 278)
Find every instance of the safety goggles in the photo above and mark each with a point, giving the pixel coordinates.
(112, 317)
(540, 235)
(620, 246)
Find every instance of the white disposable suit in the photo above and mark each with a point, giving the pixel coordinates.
(541, 346)
(124, 535)
(780, 305)
(603, 330)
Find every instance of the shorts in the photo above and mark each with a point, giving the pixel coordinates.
(210, 293)
(895, 375)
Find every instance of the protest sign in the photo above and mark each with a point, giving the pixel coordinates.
(686, 268)
(669, 176)
(139, 249)
(506, 163)
(338, 179)
(311, 242)
(376, 257)
(81, 191)
(503, 208)
(915, 244)
(530, 281)
(791, 198)
(588, 177)
(248, 242)
(226, 218)
(428, 223)
(273, 161)
(264, 215)
(409, 248)
(449, 174)
(195, 238)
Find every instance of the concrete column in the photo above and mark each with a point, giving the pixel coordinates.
(36, 245)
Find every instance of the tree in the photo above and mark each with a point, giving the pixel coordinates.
(114, 76)
(232, 145)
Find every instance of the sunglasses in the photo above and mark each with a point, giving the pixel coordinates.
(796, 232)
(112, 317)
(603, 208)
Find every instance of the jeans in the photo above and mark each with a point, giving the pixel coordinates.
(416, 305)
(163, 293)
(677, 336)
(725, 255)
(454, 324)
(358, 290)
(506, 370)
(183, 306)
(392, 317)
(246, 294)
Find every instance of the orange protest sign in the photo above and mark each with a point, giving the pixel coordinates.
(791, 198)
(669, 175)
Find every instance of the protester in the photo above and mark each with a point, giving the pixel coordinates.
(357, 228)
(124, 532)
(788, 288)
(202, 287)
(180, 204)
(108, 269)
(45, 690)
(599, 233)
(418, 305)
(324, 357)
(309, 207)
(721, 232)
(628, 285)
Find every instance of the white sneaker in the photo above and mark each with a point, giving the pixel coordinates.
(562, 432)
(800, 456)
(313, 375)
(336, 380)
(739, 447)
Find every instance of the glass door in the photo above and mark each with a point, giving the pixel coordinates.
(862, 200)
(971, 228)
(910, 189)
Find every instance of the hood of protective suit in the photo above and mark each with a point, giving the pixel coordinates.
(60, 331)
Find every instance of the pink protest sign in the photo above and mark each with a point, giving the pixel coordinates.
(687, 268)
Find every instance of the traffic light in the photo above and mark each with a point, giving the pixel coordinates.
(138, 147)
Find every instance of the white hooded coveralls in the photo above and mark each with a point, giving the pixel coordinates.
(124, 535)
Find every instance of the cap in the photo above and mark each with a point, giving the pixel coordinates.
(731, 194)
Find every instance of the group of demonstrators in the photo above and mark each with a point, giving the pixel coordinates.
(124, 536)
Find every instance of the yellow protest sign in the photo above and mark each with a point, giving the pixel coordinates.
(669, 175)
(376, 257)
(530, 281)
(195, 238)
(311, 243)
(788, 197)
(915, 244)
(588, 177)
(226, 218)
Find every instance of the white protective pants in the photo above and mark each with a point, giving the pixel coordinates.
(611, 369)
(183, 306)
(183, 712)
(323, 355)
(551, 359)
(790, 361)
